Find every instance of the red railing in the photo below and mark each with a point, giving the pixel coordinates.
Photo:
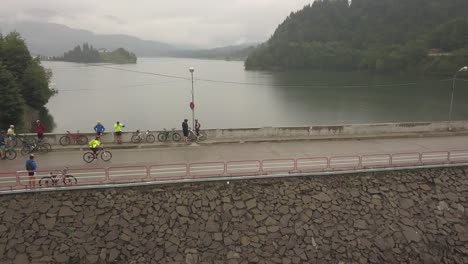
(177, 171)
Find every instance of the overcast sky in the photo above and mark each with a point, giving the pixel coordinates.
(205, 23)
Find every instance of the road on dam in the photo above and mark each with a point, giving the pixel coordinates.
(244, 151)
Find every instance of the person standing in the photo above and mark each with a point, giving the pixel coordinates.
(197, 127)
(31, 167)
(2, 146)
(40, 130)
(99, 128)
(118, 131)
(185, 130)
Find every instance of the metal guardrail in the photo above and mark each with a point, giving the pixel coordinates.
(204, 170)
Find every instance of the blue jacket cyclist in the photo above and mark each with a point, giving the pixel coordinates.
(99, 128)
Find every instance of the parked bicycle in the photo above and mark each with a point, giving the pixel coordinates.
(139, 136)
(57, 176)
(193, 136)
(34, 146)
(104, 154)
(10, 153)
(78, 139)
(165, 135)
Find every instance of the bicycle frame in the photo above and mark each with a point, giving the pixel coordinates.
(73, 137)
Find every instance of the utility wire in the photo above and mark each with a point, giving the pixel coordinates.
(255, 84)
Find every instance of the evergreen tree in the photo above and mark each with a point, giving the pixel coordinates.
(12, 106)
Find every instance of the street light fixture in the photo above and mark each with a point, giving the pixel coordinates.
(192, 104)
(463, 69)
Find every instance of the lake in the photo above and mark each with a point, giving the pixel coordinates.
(227, 96)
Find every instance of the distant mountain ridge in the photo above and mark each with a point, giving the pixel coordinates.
(50, 39)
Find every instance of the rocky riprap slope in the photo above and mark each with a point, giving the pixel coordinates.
(387, 217)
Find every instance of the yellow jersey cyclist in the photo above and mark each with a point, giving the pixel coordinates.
(95, 145)
(11, 133)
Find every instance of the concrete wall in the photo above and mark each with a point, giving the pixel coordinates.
(388, 217)
(305, 132)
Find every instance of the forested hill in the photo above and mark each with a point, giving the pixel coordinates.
(381, 35)
(88, 54)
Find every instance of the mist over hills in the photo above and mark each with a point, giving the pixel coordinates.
(49, 39)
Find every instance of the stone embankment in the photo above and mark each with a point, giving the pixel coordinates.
(387, 217)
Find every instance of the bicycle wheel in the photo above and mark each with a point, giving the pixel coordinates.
(47, 146)
(106, 155)
(192, 137)
(88, 157)
(202, 136)
(150, 138)
(176, 137)
(82, 140)
(26, 149)
(162, 137)
(42, 148)
(136, 139)
(10, 154)
(64, 141)
(69, 180)
(46, 181)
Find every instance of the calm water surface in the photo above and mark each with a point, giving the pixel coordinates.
(243, 98)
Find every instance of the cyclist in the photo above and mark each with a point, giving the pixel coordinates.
(99, 128)
(118, 131)
(11, 134)
(95, 145)
(40, 129)
(185, 130)
(2, 146)
(197, 127)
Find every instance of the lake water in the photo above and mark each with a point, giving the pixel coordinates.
(227, 96)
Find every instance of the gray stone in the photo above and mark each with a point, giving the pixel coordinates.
(411, 234)
(323, 197)
(425, 187)
(113, 254)
(270, 221)
(361, 224)
(182, 210)
(92, 258)
(61, 258)
(406, 203)
(233, 255)
(442, 206)
(212, 227)
(21, 259)
(66, 211)
(252, 203)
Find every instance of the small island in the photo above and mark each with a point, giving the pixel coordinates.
(89, 54)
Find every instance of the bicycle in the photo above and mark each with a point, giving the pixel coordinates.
(11, 141)
(164, 135)
(30, 147)
(77, 138)
(193, 136)
(89, 156)
(10, 153)
(56, 176)
(138, 137)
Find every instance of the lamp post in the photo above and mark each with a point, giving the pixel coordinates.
(192, 104)
(453, 92)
